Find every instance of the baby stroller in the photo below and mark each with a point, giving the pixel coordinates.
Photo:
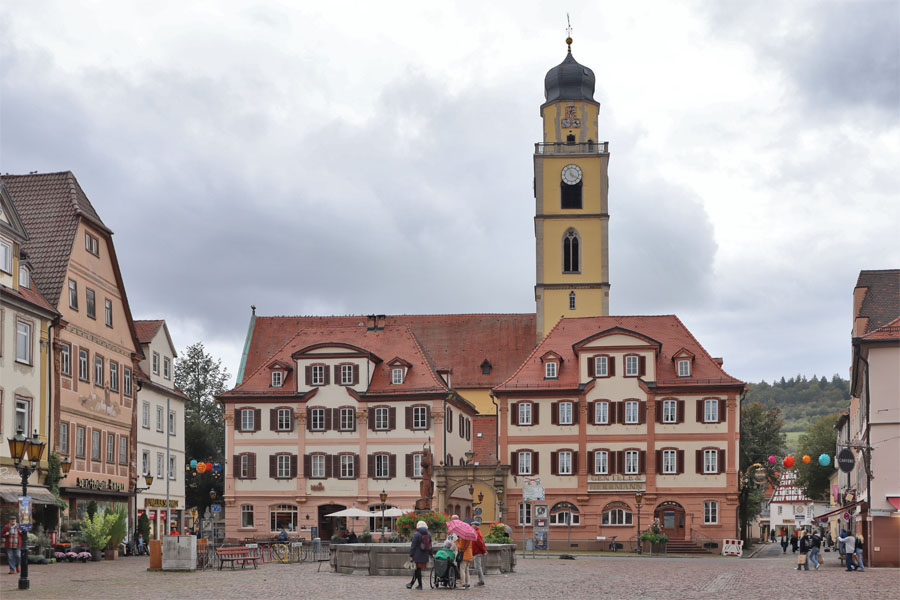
(443, 573)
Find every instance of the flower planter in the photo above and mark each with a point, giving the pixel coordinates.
(96, 555)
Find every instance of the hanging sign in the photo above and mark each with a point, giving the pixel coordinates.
(24, 514)
(846, 461)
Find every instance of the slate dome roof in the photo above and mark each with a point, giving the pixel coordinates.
(569, 80)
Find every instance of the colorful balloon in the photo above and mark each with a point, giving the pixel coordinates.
(201, 467)
(789, 462)
(806, 459)
(194, 464)
(824, 460)
(209, 466)
(772, 460)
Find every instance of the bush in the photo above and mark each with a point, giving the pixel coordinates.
(91, 509)
(497, 534)
(654, 533)
(144, 526)
(365, 537)
(96, 530)
(119, 527)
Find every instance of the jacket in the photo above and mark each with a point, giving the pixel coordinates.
(11, 537)
(420, 546)
(465, 546)
(478, 546)
(849, 544)
(804, 544)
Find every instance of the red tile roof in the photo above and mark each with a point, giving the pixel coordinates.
(459, 342)
(29, 295)
(881, 303)
(668, 330)
(392, 340)
(891, 331)
(50, 205)
(146, 330)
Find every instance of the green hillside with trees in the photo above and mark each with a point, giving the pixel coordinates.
(802, 401)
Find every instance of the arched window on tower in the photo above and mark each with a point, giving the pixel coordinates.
(570, 195)
(571, 300)
(570, 139)
(571, 252)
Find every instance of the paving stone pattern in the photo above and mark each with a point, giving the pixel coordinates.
(769, 575)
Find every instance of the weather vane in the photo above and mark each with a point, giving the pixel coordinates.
(569, 32)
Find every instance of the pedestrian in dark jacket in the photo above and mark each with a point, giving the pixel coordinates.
(803, 545)
(419, 553)
(794, 542)
(784, 543)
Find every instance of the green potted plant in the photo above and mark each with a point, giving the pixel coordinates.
(96, 532)
(365, 537)
(655, 537)
(117, 531)
(497, 534)
(437, 523)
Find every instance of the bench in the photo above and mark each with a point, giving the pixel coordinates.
(232, 554)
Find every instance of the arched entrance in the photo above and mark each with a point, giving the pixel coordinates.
(328, 526)
(671, 519)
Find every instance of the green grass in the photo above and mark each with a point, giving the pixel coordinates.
(793, 438)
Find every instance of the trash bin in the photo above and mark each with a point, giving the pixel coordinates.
(155, 554)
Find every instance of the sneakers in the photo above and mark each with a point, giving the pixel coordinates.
(817, 566)
(18, 569)
(480, 583)
(12, 571)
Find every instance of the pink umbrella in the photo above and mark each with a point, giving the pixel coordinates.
(463, 530)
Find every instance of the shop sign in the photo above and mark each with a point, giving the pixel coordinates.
(846, 461)
(151, 514)
(24, 514)
(160, 502)
(98, 484)
(215, 508)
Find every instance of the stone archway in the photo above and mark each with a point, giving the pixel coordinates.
(488, 481)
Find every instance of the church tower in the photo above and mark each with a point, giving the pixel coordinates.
(571, 184)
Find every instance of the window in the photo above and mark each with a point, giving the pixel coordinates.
(571, 300)
(95, 445)
(382, 466)
(318, 374)
(24, 277)
(98, 371)
(283, 516)
(145, 462)
(669, 462)
(601, 413)
(108, 305)
(246, 466)
(417, 466)
(172, 422)
(347, 471)
(73, 295)
(711, 410)
(159, 465)
(632, 412)
(283, 419)
(110, 447)
(525, 413)
(123, 450)
(64, 438)
(601, 462)
(570, 195)
(684, 368)
(276, 378)
(631, 366)
(283, 466)
(317, 419)
(91, 244)
(670, 411)
(618, 516)
(420, 417)
(710, 461)
(710, 512)
(632, 462)
(246, 515)
(83, 373)
(6, 256)
(348, 419)
(23, 416)
(565, 413)
(156, 363)
(159, 419)
(317, 466)
(524, 513)
(145, 415)
(91, 303)
(247, 419)
(564, 462)
(23, 342)
(65, 359)
(601, 366)
(79, 441)
(396, 376)
(571, 253)
(524, 460)
(346, 374)
(565, 517)
(167, 368)
(550, 370)
(382, 418)
(114, 376)
(127, 381)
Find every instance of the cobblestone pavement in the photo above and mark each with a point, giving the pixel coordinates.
(770, 575)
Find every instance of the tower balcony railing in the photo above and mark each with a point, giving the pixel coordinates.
(571, 148)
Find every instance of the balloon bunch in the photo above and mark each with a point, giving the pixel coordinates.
(789, 462)
(196, 467)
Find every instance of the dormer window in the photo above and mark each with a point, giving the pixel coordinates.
(318, 375)
(24, 277)
(396, 376)
(684, 368)
(486, 367)
(277, 378)
(551, 370)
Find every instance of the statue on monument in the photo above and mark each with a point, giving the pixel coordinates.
(426, 486)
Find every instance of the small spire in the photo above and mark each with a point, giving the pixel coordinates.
(569, 32)
(253, 308)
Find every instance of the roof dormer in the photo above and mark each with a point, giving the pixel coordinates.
(399, 369)
(279, 371)
(552, 364)
(684, 362)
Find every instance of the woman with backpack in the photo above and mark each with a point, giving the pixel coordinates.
(419, 553)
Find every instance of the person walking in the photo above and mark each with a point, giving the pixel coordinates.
(860, 546)
(784, 543)
(419, 553)
(815, 545)
(849, 550)
(794, 542)
(465, 550)
(803, 546)
(12, 542)
(479, 551)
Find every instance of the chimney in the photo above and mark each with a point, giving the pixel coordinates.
(370, 322)
(718, 361)
(379, 322)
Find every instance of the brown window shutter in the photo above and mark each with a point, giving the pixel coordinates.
(680, 467)
(355, 374)
(642, 462)
(308, 374)
(307, 465)
(554, 413)
(337, 373)
(592, 413)
(272, 465)
(409, 417)
(659, 462)
(514, 463)
(642, 412)
(575, 462)
(409, 465)
(462, 426)
(353, 420)
(371, 419)
(356, 466)
(257, 419)
(723, 406)
(620, 406)
(273, 419)
(236, 469)
(659, 411)
(535, 462)
(329, 419)
(680, 417)
(611, 365)
(621, 466)
(291, 419)
(392, 418)
(449, 420)
(329, 466)
(576, 410)
(392, 466)
(237, 419)
(370, 464)
(699, 461)
(699, 411)
(722, 464)
(553, 464)
(293, 465)
(327, 374)
(642, 366)
(612, 412)
(535, 413)
(252, 466)
(590, 462)
(513, 413)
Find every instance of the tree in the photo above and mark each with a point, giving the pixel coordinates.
(201, 378)
(761, 437)
(820, 438)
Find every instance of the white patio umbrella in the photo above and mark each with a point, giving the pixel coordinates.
(395, 512)
(351, 512)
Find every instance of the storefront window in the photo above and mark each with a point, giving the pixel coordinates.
(283, 515)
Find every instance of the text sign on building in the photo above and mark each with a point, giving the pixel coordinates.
(532, 489)
(846, 461)
(160, 502)
(98, 484)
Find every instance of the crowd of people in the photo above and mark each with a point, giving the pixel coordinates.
(465, 554)
(810, 545)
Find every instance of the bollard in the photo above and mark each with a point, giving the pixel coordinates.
(155, 554)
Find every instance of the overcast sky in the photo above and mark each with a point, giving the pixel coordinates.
(350, 157)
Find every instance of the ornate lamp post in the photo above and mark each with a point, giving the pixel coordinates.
(499, 493)
(383, 497)
(638, 497)
(19, 448)
(148, 479)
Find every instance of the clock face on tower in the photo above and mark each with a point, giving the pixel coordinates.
(571, 174)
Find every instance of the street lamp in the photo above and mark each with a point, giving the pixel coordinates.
(499, 493)
(638, 496)
(383, 496)
(19, 448)
(148, 479)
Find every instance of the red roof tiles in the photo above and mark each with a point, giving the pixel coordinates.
(146, 330)
(881, 303)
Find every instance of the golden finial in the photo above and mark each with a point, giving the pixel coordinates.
(569, 32)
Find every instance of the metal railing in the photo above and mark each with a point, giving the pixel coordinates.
(571, 148)
(704, 541)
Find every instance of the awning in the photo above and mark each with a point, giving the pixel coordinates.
(837, 510)
(39, 494)
(895, 500)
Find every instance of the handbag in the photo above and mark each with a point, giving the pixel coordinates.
(801, 560)
(409, 564)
